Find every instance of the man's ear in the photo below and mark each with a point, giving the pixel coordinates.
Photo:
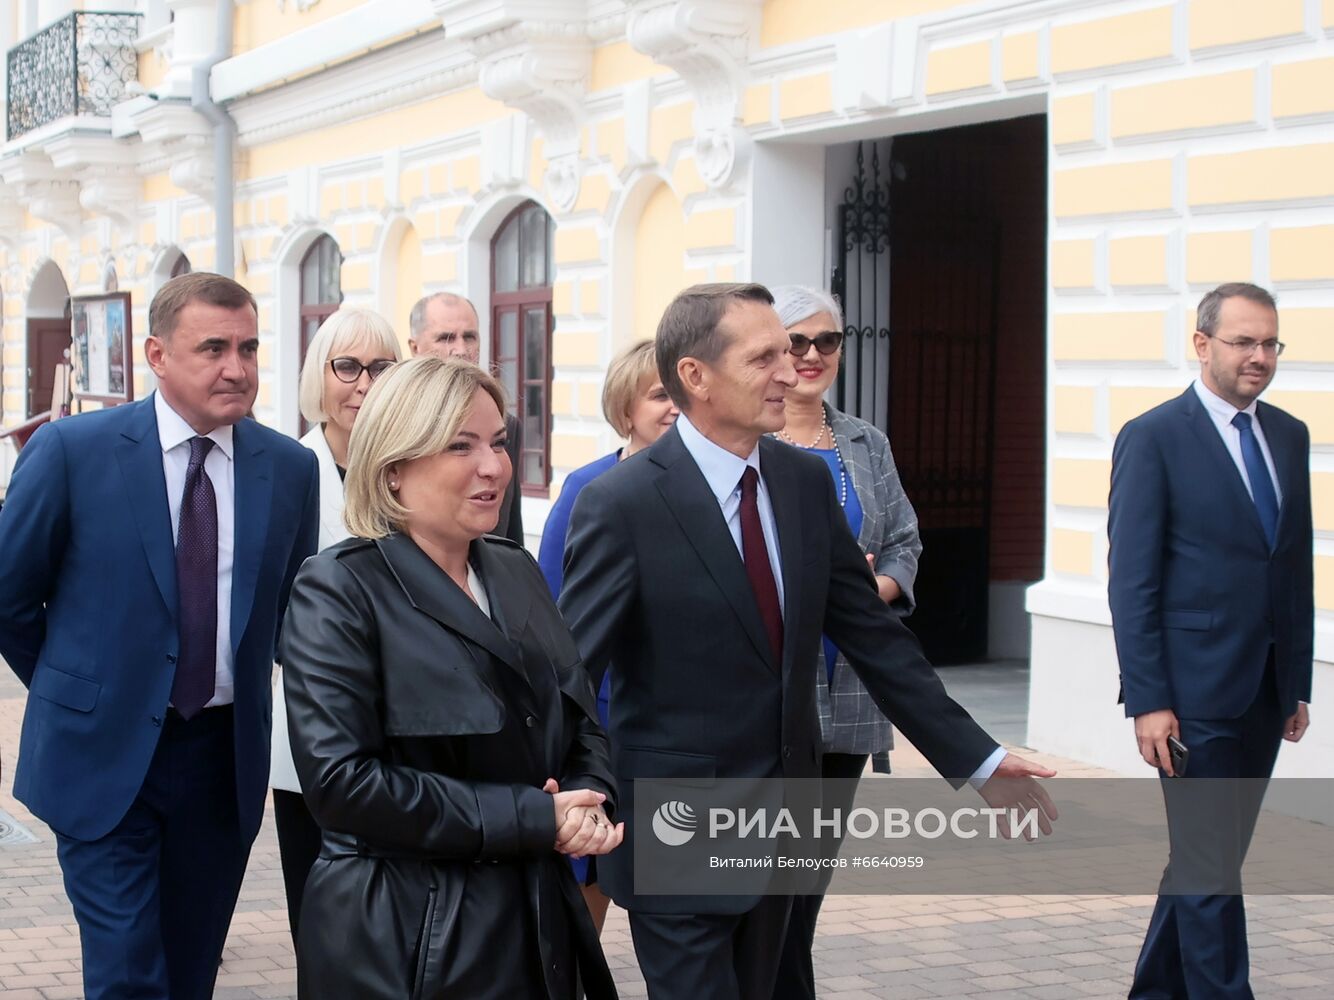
(154, 353)
(694, 376)
(412, 347)
(1201, 341)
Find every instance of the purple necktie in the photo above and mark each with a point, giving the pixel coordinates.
(755, 554)
(197, 586)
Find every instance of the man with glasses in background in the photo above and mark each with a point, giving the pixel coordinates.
(1212, 605)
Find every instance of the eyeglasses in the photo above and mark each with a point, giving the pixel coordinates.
(826, 343)
(350, 369)
(1248, 346)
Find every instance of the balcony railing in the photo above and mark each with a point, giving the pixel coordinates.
(79, 65)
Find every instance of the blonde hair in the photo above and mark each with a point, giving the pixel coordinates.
(344, 329)
(624, 374)
(412, 411)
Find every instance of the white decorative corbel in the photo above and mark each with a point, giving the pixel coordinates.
(11, 217)
(177, 136)
(707, 43)
(113, 193)
(49, 194)
(534, 56)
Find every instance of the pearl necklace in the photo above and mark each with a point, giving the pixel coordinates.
(825, 429)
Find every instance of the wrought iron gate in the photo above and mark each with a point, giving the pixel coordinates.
(918, 282)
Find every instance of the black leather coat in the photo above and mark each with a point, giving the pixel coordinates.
(423, 732)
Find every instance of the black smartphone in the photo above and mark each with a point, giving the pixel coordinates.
(1180, 756)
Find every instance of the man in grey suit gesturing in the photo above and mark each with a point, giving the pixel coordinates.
(707, 569)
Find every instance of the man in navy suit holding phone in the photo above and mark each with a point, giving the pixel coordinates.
(146, 553)
(1212, 603)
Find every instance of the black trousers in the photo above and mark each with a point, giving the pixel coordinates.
(711, 956)
(298, 847)
(796, 970)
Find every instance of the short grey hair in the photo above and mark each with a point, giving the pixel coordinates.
(1206, 316)
(689, 329)
(417, 318)
(795, 303)
(345, 328)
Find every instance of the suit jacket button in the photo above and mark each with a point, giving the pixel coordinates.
(530, 722)
(157, 720)
(787, 751)
(171, 657)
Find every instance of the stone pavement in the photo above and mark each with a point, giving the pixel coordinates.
(896, 947)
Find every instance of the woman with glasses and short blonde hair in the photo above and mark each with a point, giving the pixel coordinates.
(349, 350)
(868, 488)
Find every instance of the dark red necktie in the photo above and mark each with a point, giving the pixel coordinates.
(197, 587)
(755, 554)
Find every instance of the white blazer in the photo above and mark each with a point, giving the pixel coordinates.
(282, 771)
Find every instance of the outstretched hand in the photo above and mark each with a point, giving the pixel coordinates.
(1014, 786)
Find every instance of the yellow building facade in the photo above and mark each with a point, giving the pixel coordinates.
(1184, 143)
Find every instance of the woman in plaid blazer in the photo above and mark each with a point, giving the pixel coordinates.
(880, 515)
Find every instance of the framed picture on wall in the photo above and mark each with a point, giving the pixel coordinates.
(100, 348)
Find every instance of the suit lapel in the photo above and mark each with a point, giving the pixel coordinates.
(696, 509)
(140, 458)
(1212, 442)
(253, 479)
(787, 516)
(434, 594)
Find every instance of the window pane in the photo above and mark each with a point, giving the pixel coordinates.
(534, 416)
(310, 280)
(507, 257)
(533, 472)
(534, 342)
(509, 335)
(533, 247)
(508, 373)
(182, 266)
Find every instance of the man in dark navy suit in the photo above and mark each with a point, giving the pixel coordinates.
(146, 553)
(707, 567)
(1213, 612)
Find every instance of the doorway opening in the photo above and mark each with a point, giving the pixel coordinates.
(941, 267)
(48, 336)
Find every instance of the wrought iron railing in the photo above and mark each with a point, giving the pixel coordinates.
(79, 65)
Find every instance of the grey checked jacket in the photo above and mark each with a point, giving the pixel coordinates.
(850, 722)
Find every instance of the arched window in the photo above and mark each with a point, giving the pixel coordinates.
(321, 287)
(521, 272)
(110, 280)
(180, 266)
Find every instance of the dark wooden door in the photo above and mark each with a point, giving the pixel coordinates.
(943, 317)
(48, 340)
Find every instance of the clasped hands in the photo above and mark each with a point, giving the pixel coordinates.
(582, 826)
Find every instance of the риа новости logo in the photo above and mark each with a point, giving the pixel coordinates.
(674, 823)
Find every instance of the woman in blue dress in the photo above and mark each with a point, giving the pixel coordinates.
(639, 410)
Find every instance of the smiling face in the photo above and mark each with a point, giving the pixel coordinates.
(1236, 374)
(815, 371)
(207, 368)
(454, 495)
(342, 400)
(651, 413)
(740, 396)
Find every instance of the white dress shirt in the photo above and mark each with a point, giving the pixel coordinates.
(174, 434)
(1222, 412)
(723, 471)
